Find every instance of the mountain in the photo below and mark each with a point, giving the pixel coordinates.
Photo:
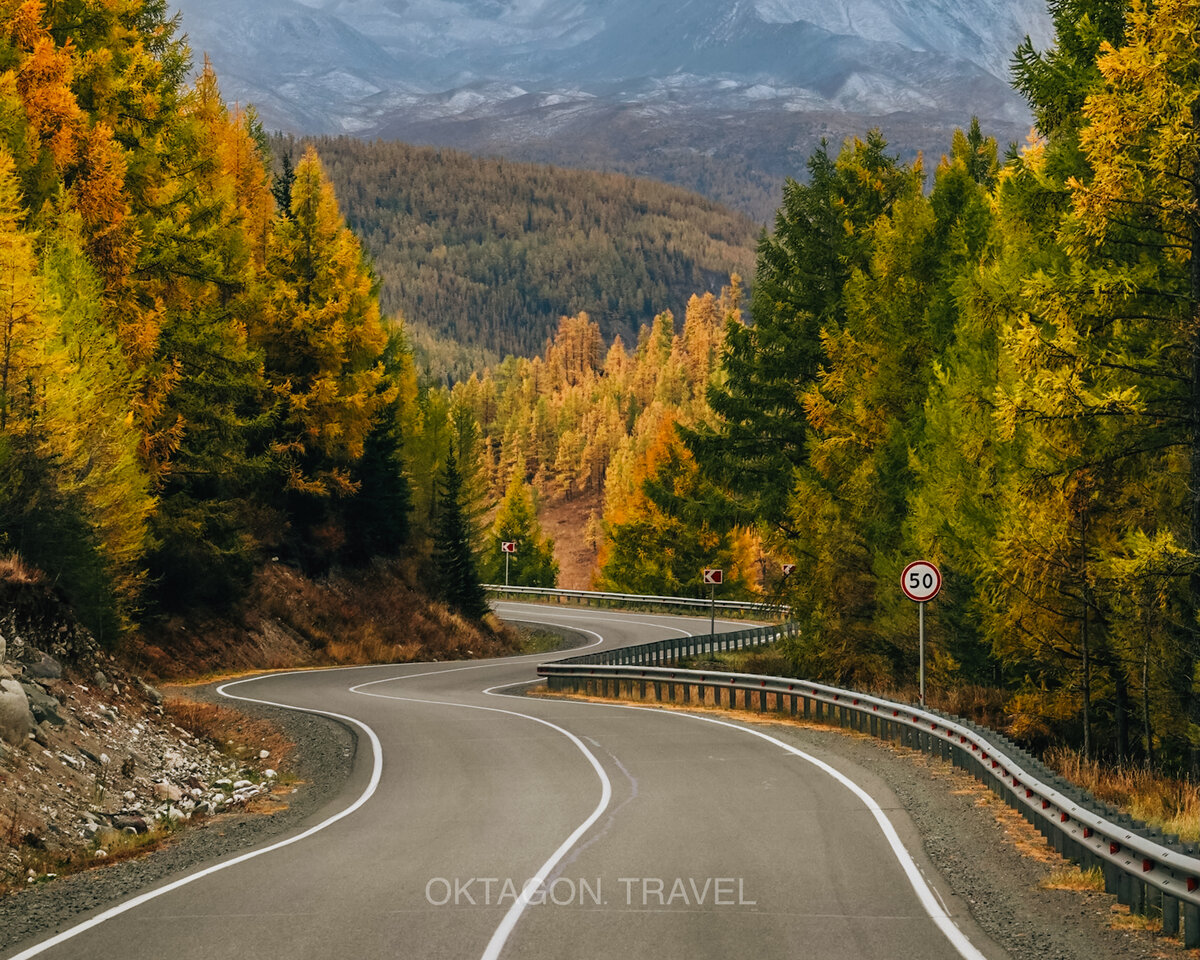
(720, 95)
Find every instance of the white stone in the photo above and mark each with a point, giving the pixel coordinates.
(167, 791)
(263, 754)
(16, 719)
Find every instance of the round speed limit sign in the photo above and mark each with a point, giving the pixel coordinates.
(921, 581)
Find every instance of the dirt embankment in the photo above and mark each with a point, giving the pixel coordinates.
(380, 614)
(570, 523)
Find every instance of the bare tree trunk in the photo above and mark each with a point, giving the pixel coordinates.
(1192, 606)
(1147, 733)
(1085, 638)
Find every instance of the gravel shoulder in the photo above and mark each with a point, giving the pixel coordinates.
(321, 761)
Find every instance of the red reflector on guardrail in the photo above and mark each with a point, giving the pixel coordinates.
(1191, 884)
(1147, 866)
(1028, 793)
(856, 701)
(1114, 847)
(1063, 818)
(1045, 804)
(762, 683)
(1087, 833)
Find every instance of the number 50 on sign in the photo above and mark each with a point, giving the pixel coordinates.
(921, 581)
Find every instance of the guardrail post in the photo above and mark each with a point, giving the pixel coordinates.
(1125, 889)
(1191, 926)
(762, 701)
(1170, 916)
(1112, 877)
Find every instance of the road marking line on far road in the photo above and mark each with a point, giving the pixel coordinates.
(929, 899)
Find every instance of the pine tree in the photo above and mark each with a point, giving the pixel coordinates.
(454, 557)
(819, 239)
(378, 516)
(533, 565)
(322, 339)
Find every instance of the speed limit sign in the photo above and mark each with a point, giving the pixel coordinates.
(921, 581)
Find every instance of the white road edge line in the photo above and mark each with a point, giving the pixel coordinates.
(376, 773)
(927, 897)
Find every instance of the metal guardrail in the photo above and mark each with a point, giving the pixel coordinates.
(744, 606)
(1151, 873)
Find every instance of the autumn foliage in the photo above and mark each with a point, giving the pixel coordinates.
(191, 375)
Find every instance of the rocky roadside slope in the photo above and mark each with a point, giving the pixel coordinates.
(89, 757)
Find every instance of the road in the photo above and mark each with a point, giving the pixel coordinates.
(646, 833)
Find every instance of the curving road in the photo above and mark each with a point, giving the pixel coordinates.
(645, 833)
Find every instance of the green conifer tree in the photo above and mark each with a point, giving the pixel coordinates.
(455, 568)
(533, 565)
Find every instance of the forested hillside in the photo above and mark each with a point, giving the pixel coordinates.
(490, 253)
(590, 424)
(990, 363)
(195, 377)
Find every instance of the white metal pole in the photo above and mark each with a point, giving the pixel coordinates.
(506, 556)
(712, 612)
(922, 606)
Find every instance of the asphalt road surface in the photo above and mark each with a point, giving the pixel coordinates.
(479, 823)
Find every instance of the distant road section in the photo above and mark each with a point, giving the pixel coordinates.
(479, 823)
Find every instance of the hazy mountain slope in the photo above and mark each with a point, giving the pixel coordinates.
(531, 78)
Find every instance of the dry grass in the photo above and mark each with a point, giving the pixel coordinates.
(1170, 804)
(1072, 878)
(28, 863)
(239, 735)
(377, 615)
(1122, 919)
(14, 569)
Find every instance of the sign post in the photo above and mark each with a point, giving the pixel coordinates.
(921, 581)
(712, 577)
(508, 548)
